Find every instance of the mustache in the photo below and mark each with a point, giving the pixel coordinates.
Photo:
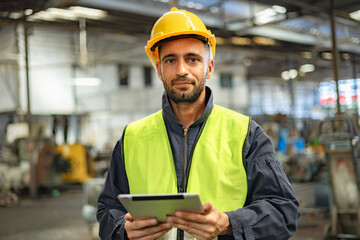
(182, 79)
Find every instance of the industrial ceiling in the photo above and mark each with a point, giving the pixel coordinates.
(267, 36)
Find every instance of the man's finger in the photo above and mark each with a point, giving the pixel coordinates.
(128, 217)
(195, 231)
(139, 224)
(154, 236)
(207, 207)
(149, 232)
(194, 217)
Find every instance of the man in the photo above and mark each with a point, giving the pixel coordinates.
(192, 145)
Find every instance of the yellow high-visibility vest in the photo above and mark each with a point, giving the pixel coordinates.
(217, 171)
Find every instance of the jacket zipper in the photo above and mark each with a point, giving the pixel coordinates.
(185, 157)
(187, 173)
(180, 233)
(274, 173)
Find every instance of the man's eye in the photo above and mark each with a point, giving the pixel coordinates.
(170, 60)
(193, 60)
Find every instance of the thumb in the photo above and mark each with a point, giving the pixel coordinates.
(207, 207)
(128, 217)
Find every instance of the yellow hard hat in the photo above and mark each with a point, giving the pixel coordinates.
(173, 24)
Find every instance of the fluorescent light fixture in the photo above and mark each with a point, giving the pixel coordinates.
(16, 15)
(220, 40)
(291, 74)
(88, 12)
(264, 41)
(199, 6)
(355, 15)
(43, 15)
(72, 14)
(268, 12)
(90, 82)
(326, 55)
(346, 56)
(307, 68)
(214, 9)
(285, 75)
(279, 9)
(307, 55)
(63, 14)
(28, 12)
(240, 41)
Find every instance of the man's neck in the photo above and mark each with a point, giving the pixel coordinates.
(188, 113)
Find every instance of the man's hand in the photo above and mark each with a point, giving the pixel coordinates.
(146, 229)
(202, 226)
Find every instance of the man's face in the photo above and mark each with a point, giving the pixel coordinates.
(184, 67)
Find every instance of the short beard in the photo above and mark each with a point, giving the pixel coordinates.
(179, 97)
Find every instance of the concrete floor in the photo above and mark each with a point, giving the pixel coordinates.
(55, 218)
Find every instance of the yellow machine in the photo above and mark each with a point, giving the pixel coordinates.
(81, 164)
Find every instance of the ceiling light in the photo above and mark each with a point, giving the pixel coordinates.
(355, 40)
(88, 12)
(240, 41)
(182, 3)
(214, 9)
(199, 6)
(307, 68)
(190, 5)
(291, 74)
(266, 13)
(264, 41)
(307, 55)
(285, 75)
(28, 12)
(346, 56)
(43, 15)
(72, 14)
(326, 55)
(62, 14)
(220, 40)
(355, 15)
(16, 15)
(279, 9)
(90, 82)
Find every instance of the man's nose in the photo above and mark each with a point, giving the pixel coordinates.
(182, 69)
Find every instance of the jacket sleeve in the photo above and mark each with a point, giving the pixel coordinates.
(271, 210)
(110, 212)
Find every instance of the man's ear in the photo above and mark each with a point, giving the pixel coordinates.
(210, 69)
(158, 70)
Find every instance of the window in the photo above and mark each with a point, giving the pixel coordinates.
(147, 77)
(226, 80)
(123, 73)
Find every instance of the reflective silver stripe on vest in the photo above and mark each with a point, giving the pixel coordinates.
(172, 234)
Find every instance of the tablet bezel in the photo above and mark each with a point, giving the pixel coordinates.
(159, 206)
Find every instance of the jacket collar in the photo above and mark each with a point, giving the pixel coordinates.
(170, 116)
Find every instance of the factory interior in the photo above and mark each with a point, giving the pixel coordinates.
(74, 73)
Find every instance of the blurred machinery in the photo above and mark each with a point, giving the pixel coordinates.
(91, 192)
(341, 141)
(53, 165)
(81, 163)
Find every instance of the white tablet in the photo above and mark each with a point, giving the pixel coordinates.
(158, 206)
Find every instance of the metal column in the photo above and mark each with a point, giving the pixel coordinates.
(31, 146)
(335, 54)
